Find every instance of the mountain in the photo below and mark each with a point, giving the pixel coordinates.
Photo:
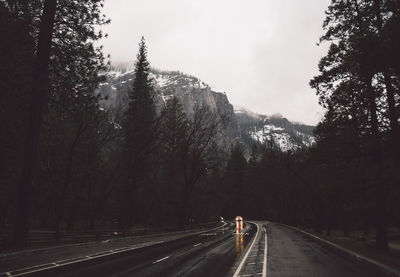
(239, 124)
(188, 89)
(274, 129)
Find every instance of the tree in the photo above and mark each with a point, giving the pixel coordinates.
(38, 102)
(139, 127)
(15, 84)
(199, 155)
(74, 72)
(356, 84)
(235, 181)
(174, 127)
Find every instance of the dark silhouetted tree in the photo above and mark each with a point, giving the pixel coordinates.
(174, 127)
(139, 128)
(40, 90)
(356, 83)
(235, 181)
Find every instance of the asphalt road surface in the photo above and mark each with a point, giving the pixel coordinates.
(264, 249)
(211, 253)
(291, 253)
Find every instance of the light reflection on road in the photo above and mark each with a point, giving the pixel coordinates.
(239, 245)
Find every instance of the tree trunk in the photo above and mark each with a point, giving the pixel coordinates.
(61, 198)
(88, 204)
(39, 94)
(376, 155)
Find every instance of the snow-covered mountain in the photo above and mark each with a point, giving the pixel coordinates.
(274, 130)
(242, 125)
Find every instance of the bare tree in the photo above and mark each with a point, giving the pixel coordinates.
(199, 154)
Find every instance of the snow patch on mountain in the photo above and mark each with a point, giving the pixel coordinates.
(282, 140)
(271, 128)
(175, 78)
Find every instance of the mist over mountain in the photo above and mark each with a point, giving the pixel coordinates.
(239, 124)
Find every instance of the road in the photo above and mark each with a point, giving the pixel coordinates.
(291, 253)
(265, 249)
(211, 253)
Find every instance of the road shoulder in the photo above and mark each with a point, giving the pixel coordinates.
(353, 256)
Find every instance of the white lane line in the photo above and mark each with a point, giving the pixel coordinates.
(160, 260)
(196, 244)
(264, 272)
(247, 254)
(30, 270)
(84, 258)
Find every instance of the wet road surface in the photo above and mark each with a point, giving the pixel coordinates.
(291, 253)
(264, 249)
(211, 253)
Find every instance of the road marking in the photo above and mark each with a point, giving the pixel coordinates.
(245, 275)
(208, 234)
(196, 244)
(160, 260)
(251, 263)
(24, 271)
(247, 254)
(42, 267)
(264, 272)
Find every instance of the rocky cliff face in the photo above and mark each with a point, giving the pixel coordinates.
(189, 90)
(239, 124)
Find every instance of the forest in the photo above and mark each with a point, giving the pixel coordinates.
(66, 164)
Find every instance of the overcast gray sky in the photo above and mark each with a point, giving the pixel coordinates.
(262, 53)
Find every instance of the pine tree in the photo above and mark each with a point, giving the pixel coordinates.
(140, 126)
(174, 126)
(140, 117)
(173, 131)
